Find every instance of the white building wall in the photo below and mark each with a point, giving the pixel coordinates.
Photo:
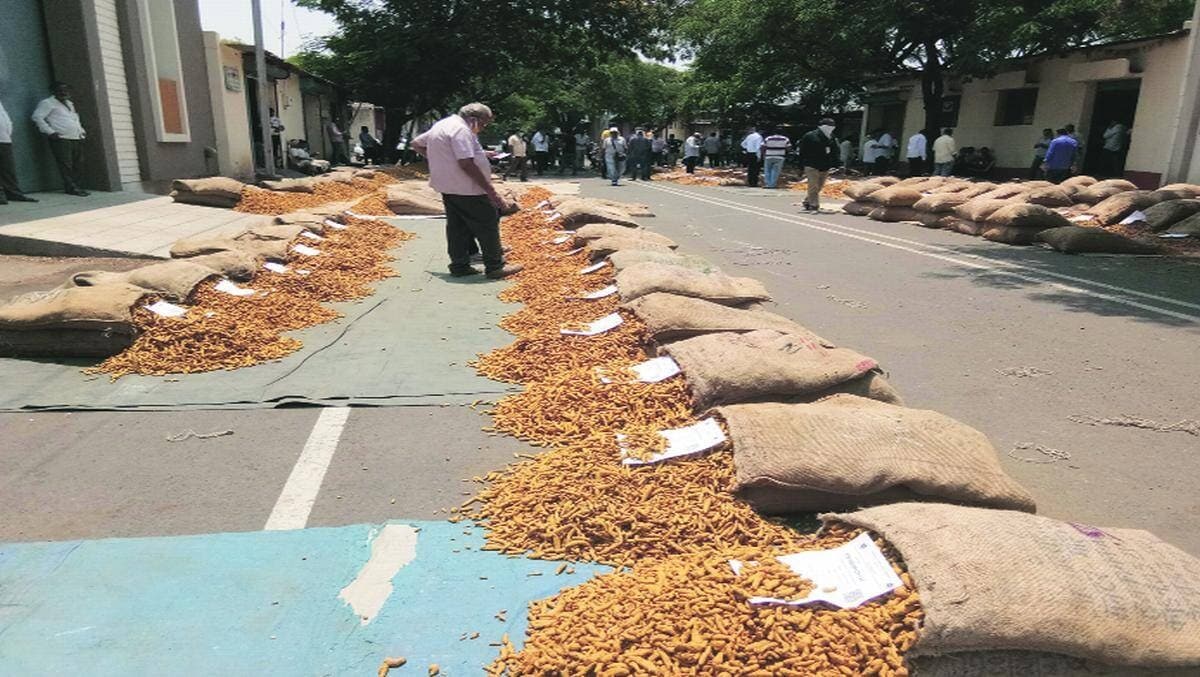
(1158, 107)
(290, 109)
(113, 62)
(231, 121)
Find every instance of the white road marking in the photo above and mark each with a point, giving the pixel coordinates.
(394, 547)
(295, 502)
(962, 259)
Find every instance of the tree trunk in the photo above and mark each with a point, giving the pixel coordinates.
(932, 88)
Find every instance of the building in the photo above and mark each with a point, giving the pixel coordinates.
(140, 86)
(1140, 83)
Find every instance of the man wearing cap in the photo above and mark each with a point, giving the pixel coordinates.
(459, 169)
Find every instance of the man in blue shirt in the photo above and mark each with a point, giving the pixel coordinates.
(1060, 157)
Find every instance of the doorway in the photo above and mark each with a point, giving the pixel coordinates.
(1116, 100)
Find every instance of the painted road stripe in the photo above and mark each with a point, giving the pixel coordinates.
(933, 251)
(295, 502)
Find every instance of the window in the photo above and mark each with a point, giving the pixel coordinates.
(1015, 107)
(164, 70)
(950, 105)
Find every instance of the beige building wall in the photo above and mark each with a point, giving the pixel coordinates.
(1158, 106)
(364, 115)
(291, 108)
(235, 155)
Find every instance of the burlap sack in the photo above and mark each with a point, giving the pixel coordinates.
(341, 175)
(648, 278)
(216, 186)
(1188, 226)
(289, 185)
(994, 580)
(305, 218)
(582, 211)
(99, 308)
(365, 174)
(886, 180)
(605, 246)
(871, 385)
(1096, 194)
(624, 259)
(278, 232)
(1020, 237)
(1116, 183)
(930, 220)
(595, 231)
(1050, 196)
(1026, 216)
(859, 208)
(859, 190)
(1004, 191)
(1084, 240)
(1166, 214)
(201, 200)
(893, 214)
(235, 265)
(404, 201)
(1114, 209)
(963, 226)
(1192, 189)
(732, 368)
(940, 203)
(850, 451)
(636, 209)
(1028, 663)
(976, 189)
(1034, 185)
(895, 196)
(1164, 194)
(978, 208)
(1079, 182)
(269, 249)
(670, 317)
(173, 280)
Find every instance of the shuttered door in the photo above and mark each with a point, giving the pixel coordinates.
(113, 61)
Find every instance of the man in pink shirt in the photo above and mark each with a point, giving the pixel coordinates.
(459, 169)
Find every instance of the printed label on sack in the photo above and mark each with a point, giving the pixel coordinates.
(594, 267)
(845, 576)
(693, 439)
(275, 267)
(600, 293)
(229, 287)
(650, 371)
(166, 309)
(598, 327)
(305, 250)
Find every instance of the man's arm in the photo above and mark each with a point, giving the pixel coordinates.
(420, 144)
(472, 170)
(39, 118)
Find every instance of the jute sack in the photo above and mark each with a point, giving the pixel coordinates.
(69, 322)
(859, 208)
(581, 212)
(1038, 183)
(270, 249)
(1116, 183)
(365, 174)
(976, 189)
(730, 368)
(1114, 209)
(978, 208)
(595, 231)
(289, 185)
(1004, 191)
(963, 226)
(304, 218)
(173, 280)
(871, 385)
(1188, 226)
(405, 201)
(1164, 194)
(624, 259)
(670, 317)
(993, 580)
(940, 203)
(648, 278)
(930, 220)
(1192, 189)
(850, 451)
(895, 196)
(1026, 216)
(886, 180)
(632, 208)
(278, 232)
(1166, 214)
(1084, 240)
(1049, 196)
(605, 246)
(217, 191)
(235, 265)
(1096, 194)
(1079, 182)
(859, 190)
(1020, 237)
(893, 214)
(1027, 663)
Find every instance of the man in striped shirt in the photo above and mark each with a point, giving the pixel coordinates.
(773, 152)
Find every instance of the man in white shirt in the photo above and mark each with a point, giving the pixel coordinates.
(917, 153)
(944, 150)
(885, 147)
(55, 117)
(752, 147)
(459, 169)
(9, 190)
(1114, 144)
(692, 146)
(541, 150)
(516, 146)
(581, 150)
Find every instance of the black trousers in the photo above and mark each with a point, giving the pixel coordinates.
(8, 172)
(690, 163)
(1057, 175)
(68, 155)
(470, 219)
(916, 166)
(540, 158)
(1035, 169)
(752, 168)
(639, 168)
(517, 166)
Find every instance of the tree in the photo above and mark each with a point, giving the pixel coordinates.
(813, 51)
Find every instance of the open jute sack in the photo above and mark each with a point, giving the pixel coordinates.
(647, 278)
(847, 451)
(670, 317)
(1085, 240)
(235, 265)
(1113, 210)
(405, 201)
(732, 368)
(606, 246)
(996, 580)
(173, 280)
(595, 231)
(269, 249)
(1188, 226)
(69, 322)
(1166, 214)
(217, 191)
(625, 259)
(289, 185)
(583, 211)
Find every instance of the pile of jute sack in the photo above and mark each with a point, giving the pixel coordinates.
(816, 427)
(1075, 216)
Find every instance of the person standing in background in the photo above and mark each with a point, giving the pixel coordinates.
(615, 153)
(582, 141)
(819, 154)
(846, 152)
(752, 147)
(1060, 157)
(55, 117)
(869, 153)
(658, 149)
(1039, 153)
(944, 150)
(917, 147)
(674, 147)
(773, 154)
(692, 147)
(712, 148)
(372, 148)
(9, 190)
(516, 146)
(277, 137)
(885, 148)
(1114, 148)
(541, 150)
(337, 140)
(639, 151)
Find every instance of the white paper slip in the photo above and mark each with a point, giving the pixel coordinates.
(594, 267)
(686, 441)
(554, 217)
(573, 251)
(305, 250)
(597, 327)
(1081, 217)
(600, 293)
(543, 204)
(356, 215)
(1174, 236)
(334, 224)
(275, 267)
(651, 371)
(1134, 218)
(230, 288)
(166, 309)
(304, 272)
(845, 576)
(560, 239)
(311, 235)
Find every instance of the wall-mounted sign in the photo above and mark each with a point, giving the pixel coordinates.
(233, 79)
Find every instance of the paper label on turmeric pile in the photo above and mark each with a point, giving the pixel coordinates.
(275, 267)
(597, 327)
(330, 223)
(305, 250)
(312, 236)
(560, 239)
(600, 293)
(651, 371)
(693, 439)
(166, 309)
(228, 287)
(845, 576)
(594, 267)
